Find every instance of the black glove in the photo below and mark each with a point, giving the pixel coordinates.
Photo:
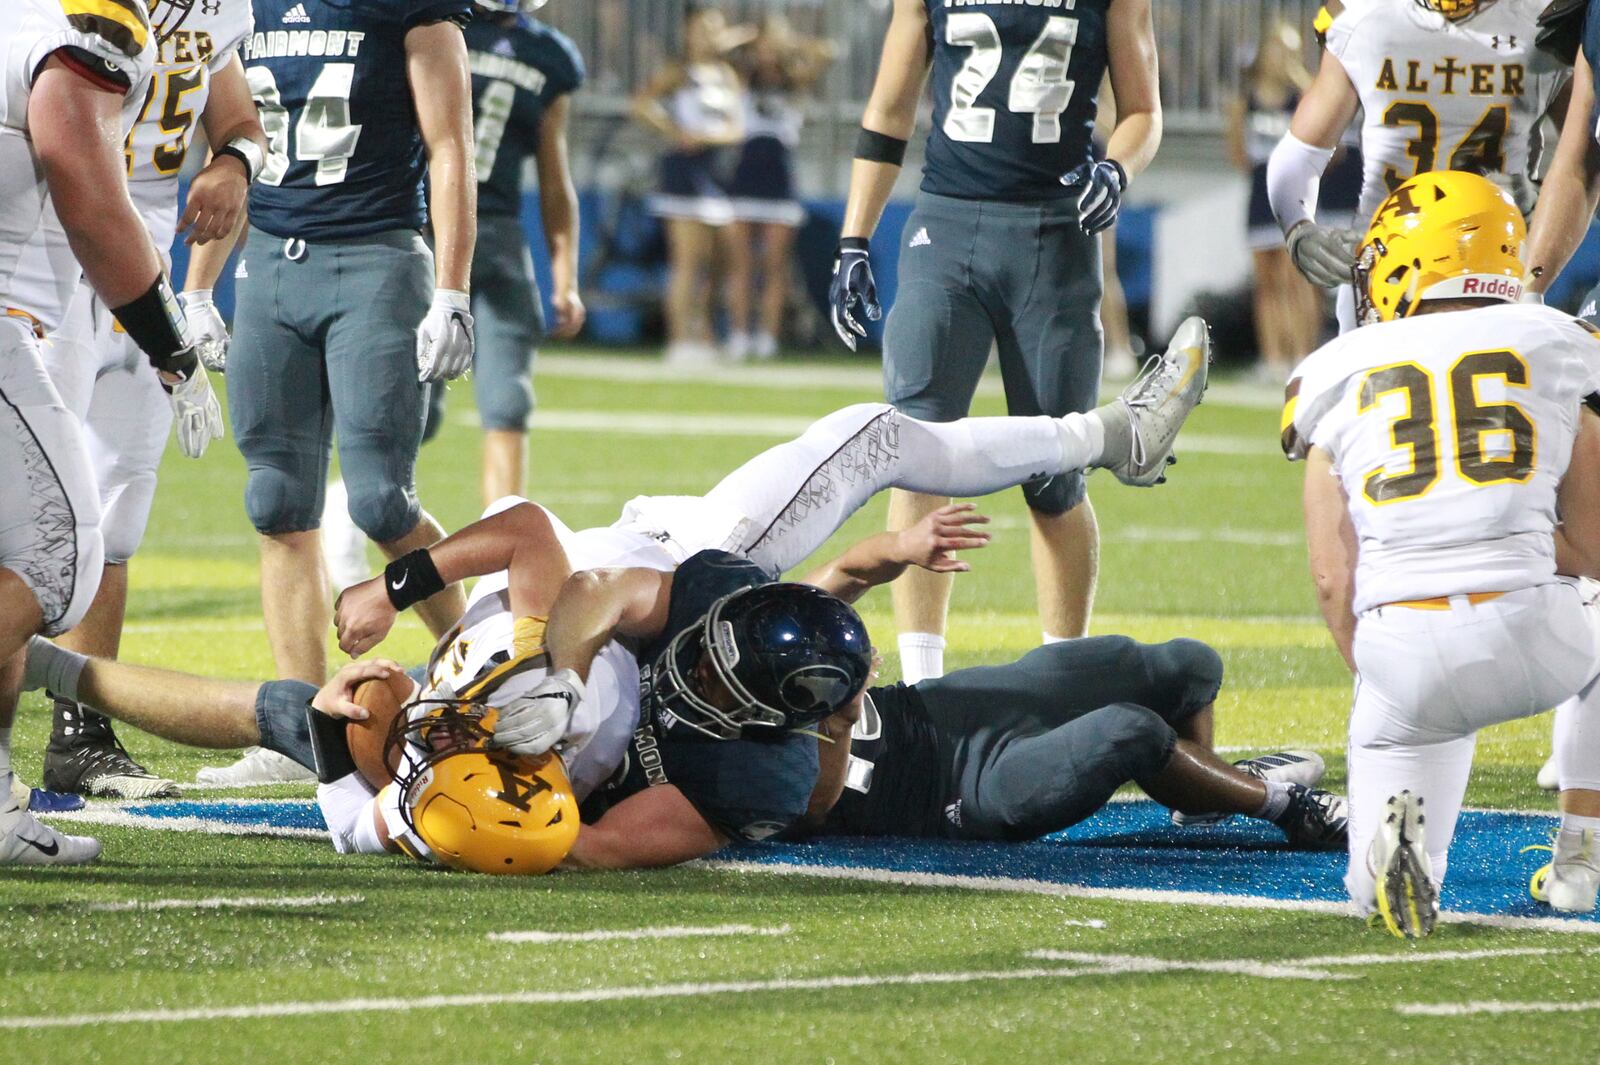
(853, 292)
(1102, 184)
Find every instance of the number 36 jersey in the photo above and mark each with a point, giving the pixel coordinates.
(1014, 95)
(344, 151)
(1442, 95)
(1449, 434)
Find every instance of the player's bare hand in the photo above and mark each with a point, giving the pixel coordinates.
(570, 314)
(932, 543)
(363, 615)
(216, 199)
(337, 697)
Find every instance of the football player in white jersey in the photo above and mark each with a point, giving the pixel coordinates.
(99, 372)
(73, 76)
(1441, 84)
(1440, 441)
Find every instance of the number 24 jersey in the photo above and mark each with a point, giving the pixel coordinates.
(344, 152)
(1450, 434)
(1441, 95)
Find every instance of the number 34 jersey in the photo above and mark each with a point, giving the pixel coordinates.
(344, 151)
(1449, 434)
(1441, 95)
(1014, 95)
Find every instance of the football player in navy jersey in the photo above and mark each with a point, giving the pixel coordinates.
(523, 75)
(344, 315)
(1001, 248)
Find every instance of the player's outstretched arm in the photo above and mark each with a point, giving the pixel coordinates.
(558, 209)
(653, 828)
(1131, 48)
(1578, 502)
(1331, 547)
(1571, 189)
(931, 544)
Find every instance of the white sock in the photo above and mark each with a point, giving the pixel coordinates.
(1048, 638)
(54, 669)
(1276, 802)
(1083, 436)
(921, 656)
(1574, 823)
(5, 761)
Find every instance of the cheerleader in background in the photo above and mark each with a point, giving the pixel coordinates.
(694, 103)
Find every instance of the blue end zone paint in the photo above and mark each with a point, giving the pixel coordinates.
(1126, 845)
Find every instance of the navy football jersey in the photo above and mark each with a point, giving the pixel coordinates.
(1014, 95)
(747, 789)
(517, 72)
(899, 794)
(344, 153)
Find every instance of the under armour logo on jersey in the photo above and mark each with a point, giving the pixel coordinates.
(1511, 41)
(297, 13)
(920, 239)
(1588, 310)
(210, 7)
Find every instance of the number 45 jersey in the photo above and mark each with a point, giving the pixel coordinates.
(1449, 434)
(344, 151)
(1442, 95)
(1014, 87)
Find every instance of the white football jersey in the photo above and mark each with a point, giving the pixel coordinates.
(490, 644)
(1449, 434)
(1442, 95)
(114, 34)
(166, 115)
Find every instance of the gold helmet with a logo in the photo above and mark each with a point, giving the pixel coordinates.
(477, 807)
(1448, 234)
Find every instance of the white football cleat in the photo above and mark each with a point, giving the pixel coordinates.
(258, 766)
(344, 545)
(1154, 407)
(25, 840)
(1408, 900)
(1574, 877)
(1549, 775)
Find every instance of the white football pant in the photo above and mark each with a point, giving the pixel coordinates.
(109, 385)
(49, 510)
(1428, 680)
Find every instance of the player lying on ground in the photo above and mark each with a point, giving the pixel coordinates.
(1441, 441)
(737, 672)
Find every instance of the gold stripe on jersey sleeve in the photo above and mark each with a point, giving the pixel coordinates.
(1287, 437)
(123, 23)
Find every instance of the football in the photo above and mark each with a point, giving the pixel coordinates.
(382, 699)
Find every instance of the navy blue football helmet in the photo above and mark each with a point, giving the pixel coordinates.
(787, 654)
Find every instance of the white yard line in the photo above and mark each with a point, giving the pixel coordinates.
(1241, 967)
(1464, 1009)
(241, 903)
(1179, 898)
(599, 935)
(97, 814)
(537, 998)
(1412, 958)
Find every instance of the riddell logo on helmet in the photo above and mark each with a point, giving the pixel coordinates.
(1499, 287)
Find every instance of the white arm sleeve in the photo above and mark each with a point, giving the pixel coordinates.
(1294, 179)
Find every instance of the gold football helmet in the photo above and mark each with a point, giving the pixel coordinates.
(477, 807)
(1455, 10)
(1448, 234)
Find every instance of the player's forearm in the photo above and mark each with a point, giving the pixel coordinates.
(520, 540)
(833, 766)
(584, 618)
(870, 185)
(1570, 191)
(206, 261)
(453, 206)
(1134, 141)
(558, 210)
(865, 565)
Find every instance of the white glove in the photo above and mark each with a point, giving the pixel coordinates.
(534, 723)
(210, 332)
(197, 412)
(444, 339)
(1324, 254)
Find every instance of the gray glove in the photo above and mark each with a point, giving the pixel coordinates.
(531, 724)
(1324, 254)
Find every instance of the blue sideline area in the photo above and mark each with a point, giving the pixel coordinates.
(1126, 845)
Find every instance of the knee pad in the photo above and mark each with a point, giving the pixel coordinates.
(1056, 495)
(1141, 739)
(384, 511)
(279, 501)
(1189, 669)
(127, 513)
(506, 405)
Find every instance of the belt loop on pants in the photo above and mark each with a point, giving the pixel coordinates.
(294, 249)
(1446, 602)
